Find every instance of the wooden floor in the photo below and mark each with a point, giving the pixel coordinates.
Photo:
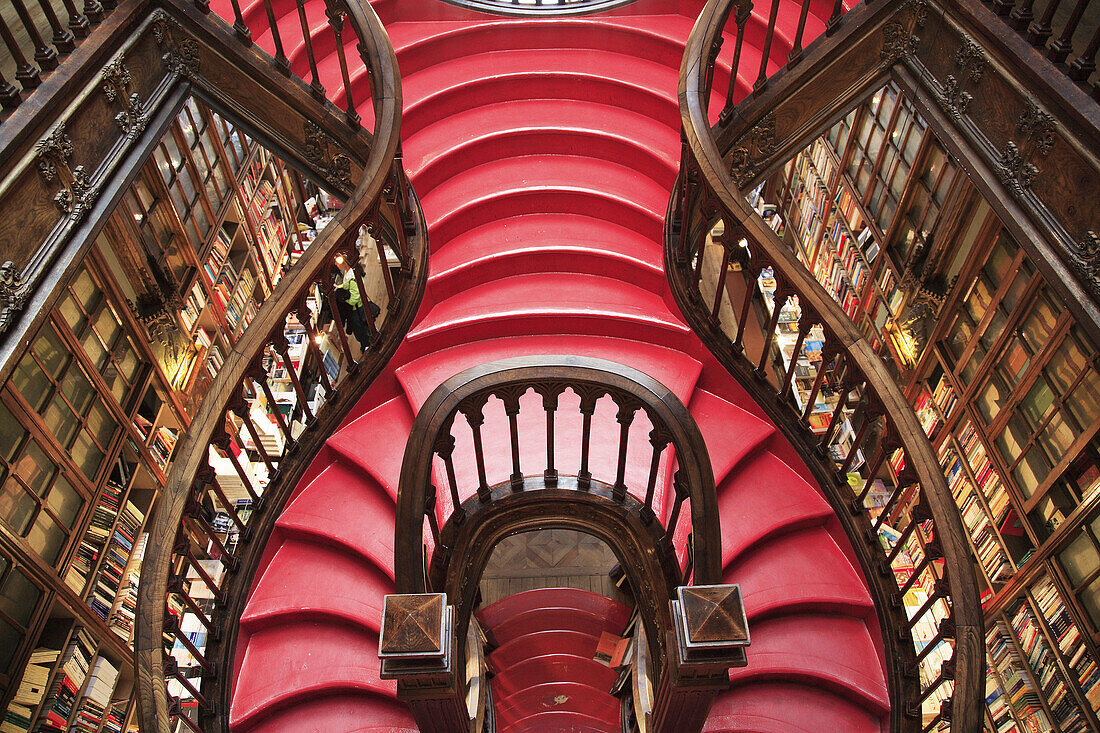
(550, 558)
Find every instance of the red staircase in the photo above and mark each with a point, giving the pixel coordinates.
(543, 151)
(545, 677)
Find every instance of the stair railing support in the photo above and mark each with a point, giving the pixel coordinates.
(418, 649)
(708, 637)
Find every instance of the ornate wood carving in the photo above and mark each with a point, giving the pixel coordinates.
(756, 145)
(54, 153)
(117, 83)
(181, 54)
(327, 157)
(1086, 259)
(970, 62)
(13, 294)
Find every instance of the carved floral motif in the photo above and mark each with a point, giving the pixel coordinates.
(13, 294)
(758, 143)
(1086, 258)
(116, 86)
(334, 165)
(77, 193)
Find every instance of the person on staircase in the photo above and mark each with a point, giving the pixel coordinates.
(351, 301)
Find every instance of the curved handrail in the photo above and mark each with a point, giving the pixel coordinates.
(550, 376)
(381, 204)
(705, 194)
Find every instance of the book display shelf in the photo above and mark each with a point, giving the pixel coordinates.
(91, 416)
(1002, 378)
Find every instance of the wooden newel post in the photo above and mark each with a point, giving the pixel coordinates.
(418, 649)
(708, 638)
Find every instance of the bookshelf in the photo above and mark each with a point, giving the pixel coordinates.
(1000, 377)
(90, 420)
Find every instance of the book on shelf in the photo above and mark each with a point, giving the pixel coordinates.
(68, 681)
(115, 560)
(97, 697)
(121, 619)
(99, 530)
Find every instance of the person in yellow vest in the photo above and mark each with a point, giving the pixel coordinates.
(355, 315)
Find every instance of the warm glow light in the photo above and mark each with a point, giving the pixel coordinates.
(317, 339)
(339, 259)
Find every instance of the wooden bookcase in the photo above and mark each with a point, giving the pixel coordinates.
(1002, 379)
(91, 416)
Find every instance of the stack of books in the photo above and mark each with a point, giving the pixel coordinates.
(67, 683)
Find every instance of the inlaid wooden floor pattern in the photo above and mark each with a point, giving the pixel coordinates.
(549, 558)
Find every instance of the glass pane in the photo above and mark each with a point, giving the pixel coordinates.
(72, 314)
(1031, 471)
(62, 421)
(1037, 402)
(128, 363)
(19, 598)
(94, 349)
(17, 507)
(101, 424)
(1084, 403)
(31, 383)
(64, 502)
(86, 455)
(1066, 365)
(35, 468)
(106, 326)
(9, 643)
(46, 538)
(1080, 559)
(11, 434)
(84, 290)
(1039, 323)
(78, 389)
(51, 352)
(1056, 438)
(991, 398)
(1090, 599)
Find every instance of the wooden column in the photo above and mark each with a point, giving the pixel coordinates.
(418, 649)
(708, 637)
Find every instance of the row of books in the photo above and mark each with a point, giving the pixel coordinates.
(94, 539)
(97, 697)
(1068, 638)
(116, 559)
(122, 615)
(1021, 694)
(987, 542)
(31, 691)
(161, 446)
(997, 702)
(68, 681)
(986, 476)
(1059, 699)
(219, 252)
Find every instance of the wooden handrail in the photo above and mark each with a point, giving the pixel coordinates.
(381, 221)
(710, 222)
(632, 391)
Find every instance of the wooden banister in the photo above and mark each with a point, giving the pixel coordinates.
(708, 201)
(365, 233)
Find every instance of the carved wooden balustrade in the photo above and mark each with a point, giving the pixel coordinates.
(655, 493)
(380, 237)
(54, 29)
(1066, 31)
(734, 279)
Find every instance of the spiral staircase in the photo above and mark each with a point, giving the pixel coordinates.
(544, 151)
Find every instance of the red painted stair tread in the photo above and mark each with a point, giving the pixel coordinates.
(775, 577)
(295, 661)
(574, 697)
(834, 652)
(562, 722)
(375, 442)
(557, 667)
(774, 496)
(779, 707)
(730, 433)
(345, 507)
(348, 713)
(572, 598)
(287, 590)
(523, 646)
